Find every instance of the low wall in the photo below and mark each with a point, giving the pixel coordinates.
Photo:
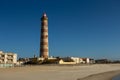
(67, 63)
(6, 65)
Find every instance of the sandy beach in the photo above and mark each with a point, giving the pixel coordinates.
(101, 76)
(45, 72)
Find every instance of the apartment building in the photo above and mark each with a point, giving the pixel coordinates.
(8, 58)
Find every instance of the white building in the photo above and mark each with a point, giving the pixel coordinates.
(82, 60)
(8, 58)
(76, 59)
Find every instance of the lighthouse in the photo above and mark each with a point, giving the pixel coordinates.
(44, 49)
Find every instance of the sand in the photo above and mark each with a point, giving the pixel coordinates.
(101, 76)
(82, 72)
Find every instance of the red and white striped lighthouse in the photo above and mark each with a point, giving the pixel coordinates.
(44, 50)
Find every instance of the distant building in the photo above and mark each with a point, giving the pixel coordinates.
(101, 61)
(77, 60)
(66, 62)
(8, 58)
(22, 61)
(86, 60)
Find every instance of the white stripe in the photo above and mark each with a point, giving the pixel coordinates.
(44, 33)
(44, 47)
(44, 27)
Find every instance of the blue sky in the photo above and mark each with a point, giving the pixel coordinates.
(84, 28)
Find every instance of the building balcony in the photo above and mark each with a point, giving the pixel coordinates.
(9, 62)
(2, 62)
(9, 57)
(10, 54)
(2, 57)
